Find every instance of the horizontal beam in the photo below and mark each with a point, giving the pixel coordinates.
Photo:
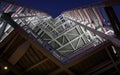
(35, 65)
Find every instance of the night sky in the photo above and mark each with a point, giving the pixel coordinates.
(55, 7)
(117, 11)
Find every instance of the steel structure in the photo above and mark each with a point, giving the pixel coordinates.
(35, 42)
(62, 37)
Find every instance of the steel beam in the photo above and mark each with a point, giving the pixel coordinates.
(107, 37)
(21, 17)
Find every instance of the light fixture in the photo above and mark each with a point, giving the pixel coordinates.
(5, 68)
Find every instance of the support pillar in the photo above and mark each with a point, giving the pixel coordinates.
(114, 20)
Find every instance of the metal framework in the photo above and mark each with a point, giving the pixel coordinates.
(63, 36)
(77, 38)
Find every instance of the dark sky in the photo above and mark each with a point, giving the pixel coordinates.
(117, 11)
(55, 7)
